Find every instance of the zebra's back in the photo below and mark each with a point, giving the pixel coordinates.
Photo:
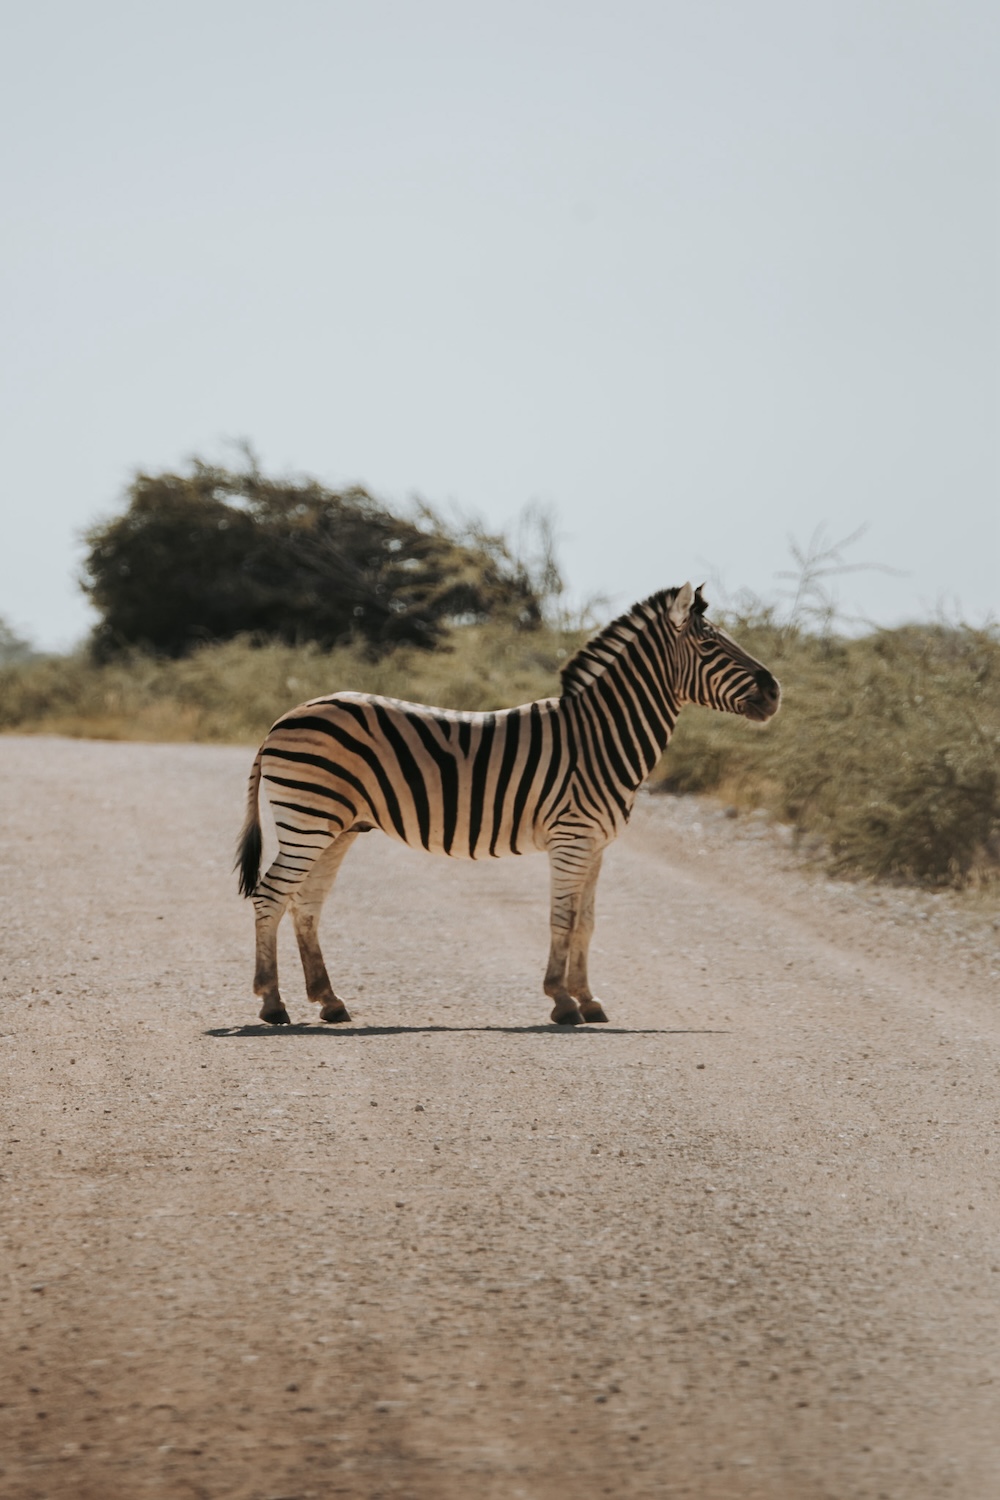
(469, 785)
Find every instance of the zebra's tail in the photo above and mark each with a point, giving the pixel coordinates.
(248, 850)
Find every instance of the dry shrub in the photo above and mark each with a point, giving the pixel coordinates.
(887, 748)
(233, 691)
(923, 799)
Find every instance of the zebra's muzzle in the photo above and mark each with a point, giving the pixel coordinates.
(765, 702)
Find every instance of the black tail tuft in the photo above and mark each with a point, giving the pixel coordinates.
(250, 846)
(248, 859)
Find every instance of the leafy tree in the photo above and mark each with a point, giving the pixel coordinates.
(215, 553)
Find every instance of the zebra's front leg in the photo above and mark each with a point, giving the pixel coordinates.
(565, 1010)
(591, 1008)
(306, 908)
(571, 865)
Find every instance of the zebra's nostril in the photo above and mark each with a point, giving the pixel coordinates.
(766, 682)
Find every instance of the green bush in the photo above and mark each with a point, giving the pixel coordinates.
(216, 553)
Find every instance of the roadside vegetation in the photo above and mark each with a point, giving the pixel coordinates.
(885, 758)
(232, 691)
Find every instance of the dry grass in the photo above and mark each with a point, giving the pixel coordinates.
(887, 749)
(232, 692)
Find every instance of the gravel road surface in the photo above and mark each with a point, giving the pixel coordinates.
(742, 1242)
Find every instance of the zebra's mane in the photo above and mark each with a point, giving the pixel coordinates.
(603, 649)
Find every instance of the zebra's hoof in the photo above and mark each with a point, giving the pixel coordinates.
(568, 1018)
(276, 1017)
(333, 1013)
(594, 1013)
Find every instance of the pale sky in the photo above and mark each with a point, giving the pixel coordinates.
(699, 275)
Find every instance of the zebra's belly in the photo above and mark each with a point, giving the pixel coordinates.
(464, 842)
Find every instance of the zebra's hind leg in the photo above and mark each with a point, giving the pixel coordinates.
(271, 897)
(307, 904)
(270, 900)
(577, 983)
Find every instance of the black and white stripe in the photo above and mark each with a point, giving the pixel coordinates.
(559, 775)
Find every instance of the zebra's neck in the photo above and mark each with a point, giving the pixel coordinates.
(629, 709)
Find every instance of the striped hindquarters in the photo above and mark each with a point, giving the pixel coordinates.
(465, 784)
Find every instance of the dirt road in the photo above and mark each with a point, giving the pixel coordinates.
(743, 1242)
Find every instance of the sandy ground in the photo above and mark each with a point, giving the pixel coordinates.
(743, 1242)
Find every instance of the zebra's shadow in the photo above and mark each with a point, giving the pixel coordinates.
(314, 1029)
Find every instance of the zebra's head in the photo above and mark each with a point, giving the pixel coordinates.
(712, 669)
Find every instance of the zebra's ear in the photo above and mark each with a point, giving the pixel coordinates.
(681, 607)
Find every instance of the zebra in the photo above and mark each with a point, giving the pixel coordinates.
(560, 775)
